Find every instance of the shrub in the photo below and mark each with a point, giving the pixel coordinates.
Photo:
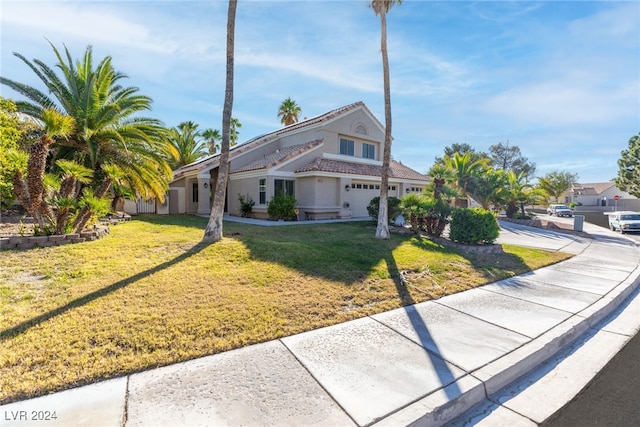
(413, 208)
(246, 205)
(518, 215)
(473, 226)
(393, 205)
(282, 207)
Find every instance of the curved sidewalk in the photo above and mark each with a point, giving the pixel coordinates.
(426, 363)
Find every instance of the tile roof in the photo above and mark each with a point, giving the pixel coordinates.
(398, 170)
(277, 157)
(213, 160)
(325, 117)
(592, 189)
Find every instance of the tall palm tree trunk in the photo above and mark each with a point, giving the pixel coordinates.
(382, 230)
(213, 232)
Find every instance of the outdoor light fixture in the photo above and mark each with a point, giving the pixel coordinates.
(407, 190)
(347, 187)
(206, 185)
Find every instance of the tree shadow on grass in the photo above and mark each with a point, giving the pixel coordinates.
(494, 264)
(79, 302)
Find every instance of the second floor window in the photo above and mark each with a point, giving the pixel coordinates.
(347, 147)
(368, 151)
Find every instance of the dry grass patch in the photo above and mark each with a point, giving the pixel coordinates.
(149, 294)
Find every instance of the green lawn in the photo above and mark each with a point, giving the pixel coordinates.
(149, 294)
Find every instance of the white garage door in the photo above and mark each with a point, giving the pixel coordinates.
(361, 194)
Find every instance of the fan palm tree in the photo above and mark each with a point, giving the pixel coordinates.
(186, 145)
(213, 232)
(107, 129)
(289, 112)
(381, 8)
(212, 136)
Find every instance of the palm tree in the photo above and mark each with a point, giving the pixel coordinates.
(213, 232)
(490, 188)
(31, 193)
(519, 193)
(289, 112)
(186, 146)
(414, 207)
(107, 128)
(65, 198)
(212, 136)
(234, 133)
(465, 169)
(381, 8)
(440, 210)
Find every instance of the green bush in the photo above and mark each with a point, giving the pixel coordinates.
(393, 205)
(282, 207)
(246, 205)
(518, 215)
(473, 226)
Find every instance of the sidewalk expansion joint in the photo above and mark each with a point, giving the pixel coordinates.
(126, 403)
(318, 382)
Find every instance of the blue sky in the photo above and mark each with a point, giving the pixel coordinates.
(561, 80)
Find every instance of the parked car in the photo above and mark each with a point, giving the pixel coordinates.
(559, 210)
(624, 221)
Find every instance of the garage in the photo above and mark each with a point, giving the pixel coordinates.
(361, 194)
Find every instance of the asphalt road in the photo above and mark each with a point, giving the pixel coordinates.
(612, 398)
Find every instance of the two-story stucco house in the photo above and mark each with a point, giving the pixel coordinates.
(330, 163)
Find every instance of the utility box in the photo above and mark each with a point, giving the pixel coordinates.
(578, 222)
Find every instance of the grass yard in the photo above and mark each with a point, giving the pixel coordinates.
(149, 294)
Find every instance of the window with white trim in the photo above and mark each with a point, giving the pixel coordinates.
(347, 147)
(284, 186)
(262, 191)
(368, 151)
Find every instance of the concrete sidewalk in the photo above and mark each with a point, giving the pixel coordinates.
(427, 363)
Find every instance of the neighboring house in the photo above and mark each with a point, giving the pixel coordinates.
(599, 194)
(330, 163)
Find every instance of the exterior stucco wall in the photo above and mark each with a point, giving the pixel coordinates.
(245, 187)
(348, 127)
(191, 206)
(320, 197)
(179, 186)
(305, 192)
(327, 191)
